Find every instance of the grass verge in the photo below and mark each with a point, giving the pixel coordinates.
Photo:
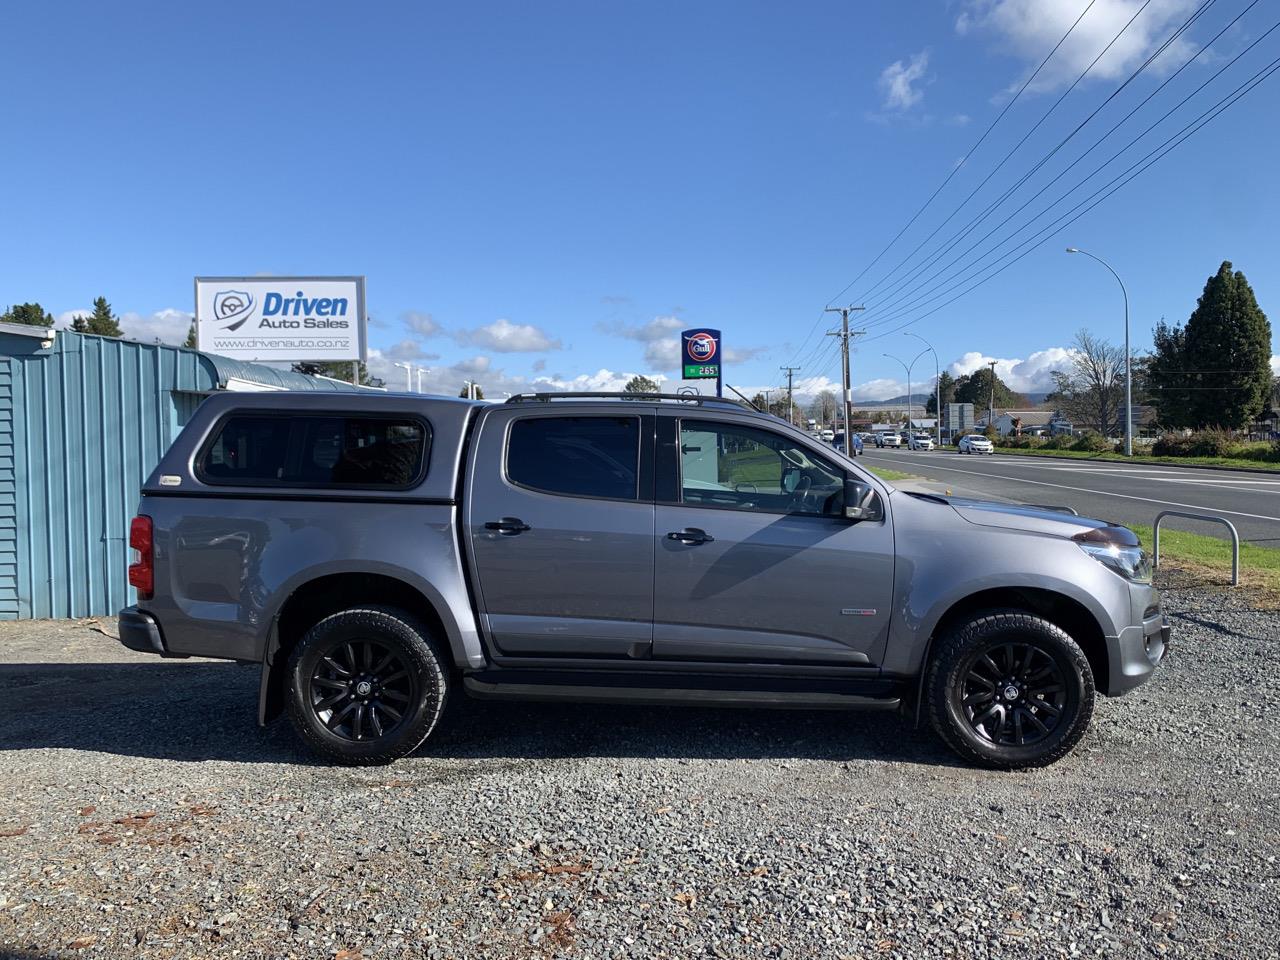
(890, 475)
(1192, 559)
(1238, 462)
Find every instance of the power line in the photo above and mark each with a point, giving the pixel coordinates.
(897, 311)
(956, 169)
(1045, 116)
(950, 245)
(1190, 130)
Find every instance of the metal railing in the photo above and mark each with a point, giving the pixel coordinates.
(1235, 538)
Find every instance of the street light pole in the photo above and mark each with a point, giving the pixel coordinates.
(1128, 370)
(937, 386)
(408, 376)
(908, 367)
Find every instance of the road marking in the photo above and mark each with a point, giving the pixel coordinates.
(1123, 496)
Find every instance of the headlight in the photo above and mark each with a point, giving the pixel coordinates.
(1131, 562)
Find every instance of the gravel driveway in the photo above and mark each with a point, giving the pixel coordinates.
(143, 813)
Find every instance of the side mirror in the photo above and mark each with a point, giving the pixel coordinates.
(861, 501)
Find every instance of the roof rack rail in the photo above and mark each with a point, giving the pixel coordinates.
(636, 397)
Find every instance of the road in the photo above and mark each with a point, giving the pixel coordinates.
(1125, 493)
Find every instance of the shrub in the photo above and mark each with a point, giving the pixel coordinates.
(1268, 452)
(1061, 441)
(1092, 443)
(1210, 442)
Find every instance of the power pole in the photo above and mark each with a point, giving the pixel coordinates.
(844, 336)
(791, 405)
(768, 407)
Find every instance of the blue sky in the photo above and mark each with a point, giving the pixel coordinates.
(544, 195)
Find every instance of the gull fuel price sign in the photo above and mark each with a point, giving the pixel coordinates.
(701, 361)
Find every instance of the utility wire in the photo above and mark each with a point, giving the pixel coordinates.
(1036, 126)
(999, 201)
(898, 307)
(1058, 225)
(969, 227)
(954, 170)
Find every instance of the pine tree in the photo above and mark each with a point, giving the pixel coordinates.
(29, 314)
(190, 342)
(640, 384)
(947, 387)
(1215, 371)
(101, 322)
(975, 388)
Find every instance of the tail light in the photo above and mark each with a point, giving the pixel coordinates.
(142, 570)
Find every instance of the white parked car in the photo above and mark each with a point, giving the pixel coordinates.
(828, 435)
(920, 441)
(889, 440)
(975, 443)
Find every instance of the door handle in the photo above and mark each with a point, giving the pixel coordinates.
(507, 526)
(690, 535)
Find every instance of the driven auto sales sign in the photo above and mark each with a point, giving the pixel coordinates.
(281, 318)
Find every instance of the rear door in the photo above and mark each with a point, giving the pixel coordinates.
(559, 520)
(755, 560)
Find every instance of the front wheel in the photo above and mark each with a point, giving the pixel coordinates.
(1009, 689)
(366, 686)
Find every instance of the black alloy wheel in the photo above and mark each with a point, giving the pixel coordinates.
(366, 685)
(1007, 688)
(1014, 694)
(360, 689)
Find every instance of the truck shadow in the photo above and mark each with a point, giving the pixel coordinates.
(201, 710)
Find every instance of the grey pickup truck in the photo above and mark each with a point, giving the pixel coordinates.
(379, 554)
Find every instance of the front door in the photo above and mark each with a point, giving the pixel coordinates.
(755, 561)
(560, 529)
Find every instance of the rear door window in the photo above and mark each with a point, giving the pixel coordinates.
(576, 456)
(316, 450)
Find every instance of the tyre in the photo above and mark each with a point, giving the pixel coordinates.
(1009, 689)
(366, 686)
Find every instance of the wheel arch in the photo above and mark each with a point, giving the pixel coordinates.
(313, 600)
(1058, 608)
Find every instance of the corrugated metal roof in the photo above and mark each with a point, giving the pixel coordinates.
(225, 370)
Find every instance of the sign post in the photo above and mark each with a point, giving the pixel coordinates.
(700, 360)
(282, 318)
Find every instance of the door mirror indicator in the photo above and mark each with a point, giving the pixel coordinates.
(861, 501)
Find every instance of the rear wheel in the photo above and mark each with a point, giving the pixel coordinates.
(1009, 689)
(366, 686)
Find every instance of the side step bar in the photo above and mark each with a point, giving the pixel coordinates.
(489, 688)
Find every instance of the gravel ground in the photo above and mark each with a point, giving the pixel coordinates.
(142, 813)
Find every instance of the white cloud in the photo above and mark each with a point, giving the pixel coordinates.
(1275, 366)
(423, 324)
(1032, 375)
(409, 349)
(1028, 29)
(504, 336)
(656, 329)
(898, 82)
(164, 326)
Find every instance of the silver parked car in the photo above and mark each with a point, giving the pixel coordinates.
(378, 555)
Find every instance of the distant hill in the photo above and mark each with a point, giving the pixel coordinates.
(920, 399)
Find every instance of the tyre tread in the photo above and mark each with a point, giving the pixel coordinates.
(426, 657)
(951, 650)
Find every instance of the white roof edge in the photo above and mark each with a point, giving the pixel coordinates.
(27, 330)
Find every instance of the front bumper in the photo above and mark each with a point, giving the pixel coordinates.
(139, 631)
(1136, 652)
